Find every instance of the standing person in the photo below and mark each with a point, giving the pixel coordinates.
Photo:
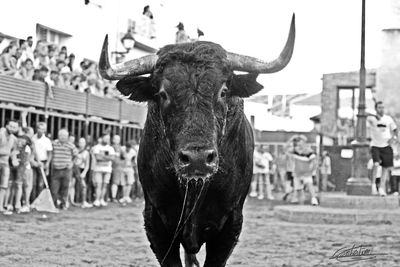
(43, 149)
(267, 160)
(81, 170)
(29, 48)
(117, 168)
(383, 133)
(22, 176)
(128, 174)
(395, 177)
(28, 171)
(181, 36)
(289, 183)
(8, 143)
(137, 188)
(62, 162)
(304, 166)
(261, 174)
(325, 170)
(256, 170)
(103, 154)
(281, 170)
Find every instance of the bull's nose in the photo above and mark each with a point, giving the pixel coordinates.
(198, 160)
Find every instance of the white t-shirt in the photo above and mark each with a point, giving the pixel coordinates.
(42, 146)
(261, 162)
(381, 130)
(129, 156)
(106, 165)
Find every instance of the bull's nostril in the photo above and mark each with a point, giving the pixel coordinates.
(184, 158)
(211, 157)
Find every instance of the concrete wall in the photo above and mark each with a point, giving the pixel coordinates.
(329, 97)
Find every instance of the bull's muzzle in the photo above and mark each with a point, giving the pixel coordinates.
(198, 164)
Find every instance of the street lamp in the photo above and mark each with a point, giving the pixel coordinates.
(359, 184)
(128, 41)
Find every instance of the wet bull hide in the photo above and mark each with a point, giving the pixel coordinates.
(196, 154)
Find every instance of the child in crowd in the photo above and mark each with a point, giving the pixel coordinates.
(80, 171)
(21, 177)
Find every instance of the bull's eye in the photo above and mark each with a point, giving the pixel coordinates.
(164, 98)
(223, 92)
(163, 95)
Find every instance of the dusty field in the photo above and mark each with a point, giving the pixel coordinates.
(114, 236)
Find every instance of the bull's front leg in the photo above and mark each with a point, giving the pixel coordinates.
(160, 239)
(220, 247)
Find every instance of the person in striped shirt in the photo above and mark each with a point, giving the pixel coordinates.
(62, 158)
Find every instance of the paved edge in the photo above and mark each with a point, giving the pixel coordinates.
(321, 215)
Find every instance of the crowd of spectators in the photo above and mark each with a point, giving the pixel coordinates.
(292, 172)
(52, 65)
(77, 172)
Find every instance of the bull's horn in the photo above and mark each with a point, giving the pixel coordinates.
(251, 64)
(138, 66)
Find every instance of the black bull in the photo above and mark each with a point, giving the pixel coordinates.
(195, 159)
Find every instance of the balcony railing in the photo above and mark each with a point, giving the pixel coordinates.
(34, 94)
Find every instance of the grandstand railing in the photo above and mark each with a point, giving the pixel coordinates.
(36, 94)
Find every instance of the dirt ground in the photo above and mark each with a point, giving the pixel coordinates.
(114, 236)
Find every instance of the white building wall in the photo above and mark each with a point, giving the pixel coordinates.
(265, 121)
(304, 111)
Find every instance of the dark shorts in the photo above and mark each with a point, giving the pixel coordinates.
(383, 155)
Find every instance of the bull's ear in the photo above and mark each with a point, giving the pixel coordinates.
(137, 88)
(244, 85)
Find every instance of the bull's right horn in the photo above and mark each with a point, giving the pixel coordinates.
(135, 67)
(251, 64)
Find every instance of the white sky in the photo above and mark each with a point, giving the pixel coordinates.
(327, 31)
(327, 37)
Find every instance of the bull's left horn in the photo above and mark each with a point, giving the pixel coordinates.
(251, 64)
(138, 66)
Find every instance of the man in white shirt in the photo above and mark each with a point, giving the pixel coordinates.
(43, 149)
(102, 168)
(383, 131)
(261, 160)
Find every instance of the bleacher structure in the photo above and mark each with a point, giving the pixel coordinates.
(83, 114)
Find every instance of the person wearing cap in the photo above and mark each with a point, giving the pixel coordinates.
(65, 76)
(181, 36)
